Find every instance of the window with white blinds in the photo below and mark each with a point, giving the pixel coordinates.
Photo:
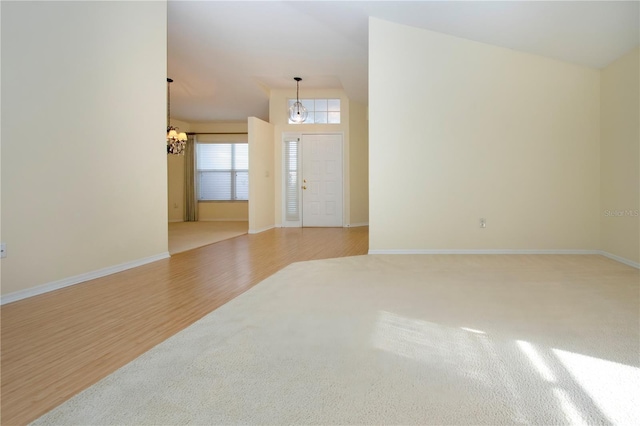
(222, 171)
(292, 181)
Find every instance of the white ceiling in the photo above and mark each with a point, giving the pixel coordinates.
(225, 56)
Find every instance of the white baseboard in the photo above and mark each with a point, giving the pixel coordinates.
(480, 251)
(257, 231)
(66, 282)
(502, 251)
(620, 259)
(354, 225)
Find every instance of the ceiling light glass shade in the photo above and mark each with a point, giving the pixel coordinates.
(298, 113)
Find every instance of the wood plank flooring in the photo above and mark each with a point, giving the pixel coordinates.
(57, 344)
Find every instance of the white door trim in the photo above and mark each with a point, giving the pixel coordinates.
(288, 136)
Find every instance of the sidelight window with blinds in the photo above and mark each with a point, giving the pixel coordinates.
(291, 181)
(222, 171)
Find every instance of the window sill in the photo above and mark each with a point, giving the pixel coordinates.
(223, 201)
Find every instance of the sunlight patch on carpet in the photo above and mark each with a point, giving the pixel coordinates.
(614, 387)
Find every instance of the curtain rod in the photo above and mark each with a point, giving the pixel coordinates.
(217, 133)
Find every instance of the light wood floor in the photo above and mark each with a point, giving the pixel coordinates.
(57, 344)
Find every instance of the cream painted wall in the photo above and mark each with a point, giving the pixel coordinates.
(175, 179)
(261, 181)
(620, 158)
(76, 199)
(221, 211)
(359, 163)
(278, 116)
(219, 127)
(461, 130)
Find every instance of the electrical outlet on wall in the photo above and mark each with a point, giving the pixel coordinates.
(483, 222)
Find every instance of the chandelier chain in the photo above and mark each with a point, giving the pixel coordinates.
(297, 112)
(176, 141)
(169, 102)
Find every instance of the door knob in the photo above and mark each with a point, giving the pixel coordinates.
(304, 187)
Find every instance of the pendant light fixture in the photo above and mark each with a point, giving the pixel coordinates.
(176, 142)
(297, 112)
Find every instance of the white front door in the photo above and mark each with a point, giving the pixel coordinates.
(322, 180)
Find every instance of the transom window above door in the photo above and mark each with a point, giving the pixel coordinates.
(321, 111)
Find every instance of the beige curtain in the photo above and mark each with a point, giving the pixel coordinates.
(191, 199)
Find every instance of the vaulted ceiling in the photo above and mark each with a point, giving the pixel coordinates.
(225, 56)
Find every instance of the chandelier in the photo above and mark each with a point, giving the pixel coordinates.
(297, 112)
(176, 142)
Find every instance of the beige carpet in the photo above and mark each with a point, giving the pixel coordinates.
(396, 340)
(185, 236)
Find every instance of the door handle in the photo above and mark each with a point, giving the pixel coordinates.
(304, 187)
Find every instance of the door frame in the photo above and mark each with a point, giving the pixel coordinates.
(290, 136)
